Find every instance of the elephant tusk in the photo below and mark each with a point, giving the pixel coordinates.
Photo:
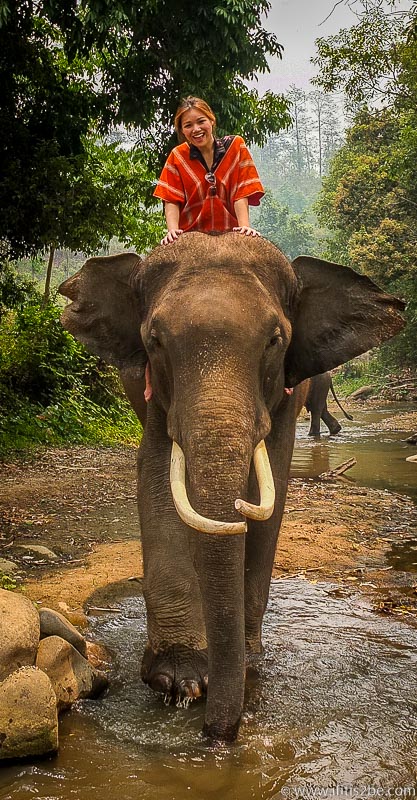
(266, 487)
(182, 503)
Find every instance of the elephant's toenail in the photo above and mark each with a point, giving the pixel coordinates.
(189, 689)
(161, 683)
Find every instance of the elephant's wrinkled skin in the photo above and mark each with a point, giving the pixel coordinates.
(226, 323)
(316, 404)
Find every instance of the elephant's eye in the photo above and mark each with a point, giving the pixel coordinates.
(275, 339)
(154, 338)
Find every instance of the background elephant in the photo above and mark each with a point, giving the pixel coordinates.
(226, 323)
(316, 404)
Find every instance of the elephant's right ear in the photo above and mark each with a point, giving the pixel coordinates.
(105, 311)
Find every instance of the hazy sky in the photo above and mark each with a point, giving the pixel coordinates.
(297, 23)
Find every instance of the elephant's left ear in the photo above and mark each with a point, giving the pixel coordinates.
(338, 315)
(105, 311)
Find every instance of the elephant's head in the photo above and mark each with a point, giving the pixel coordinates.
(227, 323)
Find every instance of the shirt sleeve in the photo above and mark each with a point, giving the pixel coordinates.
(170, 186)
(248, 182)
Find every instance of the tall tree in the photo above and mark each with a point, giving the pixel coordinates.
(326, 118)
(297, 100)
(290, 232)
(366, 60)
(369, 198)
(72, 68)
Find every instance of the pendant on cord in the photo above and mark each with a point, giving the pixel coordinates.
(211, 179)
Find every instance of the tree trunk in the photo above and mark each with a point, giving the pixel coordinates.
(47, 290)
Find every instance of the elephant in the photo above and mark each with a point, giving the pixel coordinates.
(316, 404)
(228, 327)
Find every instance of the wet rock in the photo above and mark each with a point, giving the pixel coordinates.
(412, 439)
(98, 656)
(412, 458)
(19, 632)
(71, 675)
(28, 715)
(55, 624)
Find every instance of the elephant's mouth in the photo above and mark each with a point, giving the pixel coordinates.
(204, 524)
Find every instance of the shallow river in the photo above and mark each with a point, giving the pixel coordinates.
(380, 454)
(333, 706)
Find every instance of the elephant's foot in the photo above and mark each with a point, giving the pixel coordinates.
(253, 646)
(335, 429)
(178, 673)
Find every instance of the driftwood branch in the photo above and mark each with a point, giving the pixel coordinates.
(339, 470)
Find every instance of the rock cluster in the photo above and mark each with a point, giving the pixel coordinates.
(44, 668)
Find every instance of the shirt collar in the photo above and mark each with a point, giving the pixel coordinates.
(219, 151)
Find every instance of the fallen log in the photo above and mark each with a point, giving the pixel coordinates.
(339, 470)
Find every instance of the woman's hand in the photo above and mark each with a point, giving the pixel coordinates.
(245, 230)
(171, 236)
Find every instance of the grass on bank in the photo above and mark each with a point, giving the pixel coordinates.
(377, 372)
(52, 391)
(71, 419)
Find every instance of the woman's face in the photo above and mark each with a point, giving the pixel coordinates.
(197, 128)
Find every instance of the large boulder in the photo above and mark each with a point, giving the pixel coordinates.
(28, 715)
(71, 675)
(55, 624)
(19, 632)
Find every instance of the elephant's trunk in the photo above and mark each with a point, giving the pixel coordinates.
(221, 571)
(218, 459)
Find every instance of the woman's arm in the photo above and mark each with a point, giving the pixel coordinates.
(172, 218)
(241, 207)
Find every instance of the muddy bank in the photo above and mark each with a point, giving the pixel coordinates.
(69, 526)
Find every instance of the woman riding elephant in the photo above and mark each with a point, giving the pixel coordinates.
(207, 184)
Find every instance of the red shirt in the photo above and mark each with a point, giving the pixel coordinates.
(203, 207)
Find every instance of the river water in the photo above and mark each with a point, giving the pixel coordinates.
(330, 712)
(381, 454)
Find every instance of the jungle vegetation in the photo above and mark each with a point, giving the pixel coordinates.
(88, 94)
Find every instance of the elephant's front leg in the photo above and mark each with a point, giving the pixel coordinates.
(314, 422)
(175, 659)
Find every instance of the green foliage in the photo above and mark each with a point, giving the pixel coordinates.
(290, 232)
(301, 153)
(45, 112)
(151, 54)
(369, 198)
(38, 356)
(365, 60)
(71, 71)
(14, 289)
(360, 372)
(72, 419)
(7, 582)
(291, 165)
(51, 389)
(367, 201)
